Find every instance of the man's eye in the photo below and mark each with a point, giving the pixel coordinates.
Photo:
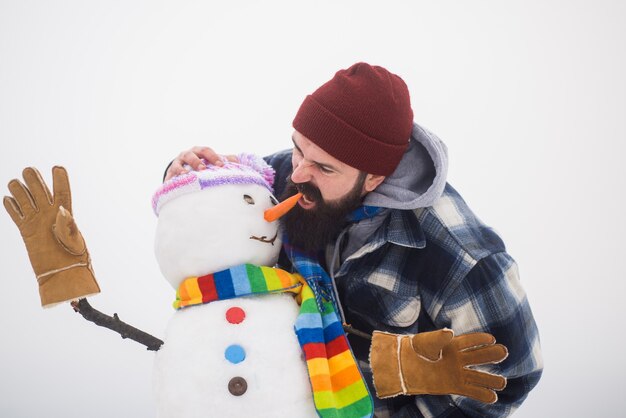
(325, 170)
(273, 200)
(249, 200)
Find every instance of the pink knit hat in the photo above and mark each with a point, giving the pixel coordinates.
(362, 117)
(250, 169)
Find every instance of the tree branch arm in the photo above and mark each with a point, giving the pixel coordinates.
(115, 324)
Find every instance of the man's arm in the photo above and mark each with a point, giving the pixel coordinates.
(490, 299)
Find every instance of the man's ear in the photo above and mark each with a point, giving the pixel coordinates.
(371, 182)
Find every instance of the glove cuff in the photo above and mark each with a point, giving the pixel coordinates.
(66, 284)
(385, 364)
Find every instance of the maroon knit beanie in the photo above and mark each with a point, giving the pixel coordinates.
(362, 117)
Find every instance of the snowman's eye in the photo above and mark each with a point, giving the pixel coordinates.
(273, 200)
(249, 200)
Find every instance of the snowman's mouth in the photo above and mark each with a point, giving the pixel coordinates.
(264, 238)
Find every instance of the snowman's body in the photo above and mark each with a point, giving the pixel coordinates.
(236, 357)
(194, 377)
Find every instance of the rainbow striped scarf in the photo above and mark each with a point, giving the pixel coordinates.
(243, 280)
(339, 390)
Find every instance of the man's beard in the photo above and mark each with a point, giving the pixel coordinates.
(312, 229)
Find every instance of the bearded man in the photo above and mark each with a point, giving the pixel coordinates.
(404, 252)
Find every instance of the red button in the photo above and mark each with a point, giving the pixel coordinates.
(235, 315)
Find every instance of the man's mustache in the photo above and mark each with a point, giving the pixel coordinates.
(308, 189)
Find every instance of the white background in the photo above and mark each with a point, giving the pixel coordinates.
(529, 96)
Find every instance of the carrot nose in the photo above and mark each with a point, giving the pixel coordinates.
(280, 209)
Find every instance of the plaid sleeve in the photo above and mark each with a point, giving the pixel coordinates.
(489, 299)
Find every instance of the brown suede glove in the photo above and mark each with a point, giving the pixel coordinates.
(436, 363)
(55, 246)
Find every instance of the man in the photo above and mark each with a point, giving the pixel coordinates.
(404, 251)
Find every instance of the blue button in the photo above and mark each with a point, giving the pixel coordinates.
(235, 354)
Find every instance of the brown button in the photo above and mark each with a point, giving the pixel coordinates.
(237, 386)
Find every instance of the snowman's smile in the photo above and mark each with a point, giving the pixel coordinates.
(264, 238)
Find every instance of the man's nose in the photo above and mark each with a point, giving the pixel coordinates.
(301, 172)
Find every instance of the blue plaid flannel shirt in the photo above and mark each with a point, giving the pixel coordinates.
(432, 268)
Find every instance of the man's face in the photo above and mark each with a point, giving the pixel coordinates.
(312, 165)
(331, 189)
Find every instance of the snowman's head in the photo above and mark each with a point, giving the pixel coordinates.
(213, 219)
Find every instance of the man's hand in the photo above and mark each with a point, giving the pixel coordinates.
(55, 246)
(436, 363)
(196, 158)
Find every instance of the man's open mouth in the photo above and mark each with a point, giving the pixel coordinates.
(264, 238)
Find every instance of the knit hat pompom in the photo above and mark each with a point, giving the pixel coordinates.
(250, 169)
(362, 117)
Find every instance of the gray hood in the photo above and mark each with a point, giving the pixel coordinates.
(420, 177)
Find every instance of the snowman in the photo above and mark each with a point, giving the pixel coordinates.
(230, 348)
